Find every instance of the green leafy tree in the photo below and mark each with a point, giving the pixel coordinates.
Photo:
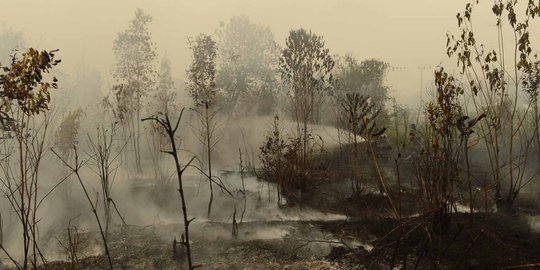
(134, 73)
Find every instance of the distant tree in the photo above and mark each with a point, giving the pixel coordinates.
(68, 131)
(306, 69)
(163, 102)
(82, 89)
(202, 88)
(365, 78)
(66, 137)
(166, 91)
(248, 56)
(134, 73)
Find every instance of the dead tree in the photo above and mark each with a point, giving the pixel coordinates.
(166, 124)
(75, 169)
(103, 160)
(206, 132)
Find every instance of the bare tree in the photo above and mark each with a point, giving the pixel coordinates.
(103, 161)
(72, 245)
(171, 130)
(75, 169)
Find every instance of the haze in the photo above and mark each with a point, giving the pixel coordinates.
(406, 34)
(275, 134)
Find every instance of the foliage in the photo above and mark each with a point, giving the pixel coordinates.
(437, 169)
(282, 163)
(306, 67)
(134, 70)
(68, 131)
(135, 54)
(134, 73)
(202, 88)
(202, 72)
(358, 116)
(25, 94)
(22, 84)
(366, 78)
(248, 57)
(165, 94)
(494, 77)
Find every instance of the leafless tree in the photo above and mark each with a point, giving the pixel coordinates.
(171, 130)
(103, 162)
(75, 169)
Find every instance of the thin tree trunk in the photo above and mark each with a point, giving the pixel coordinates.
(208, 152)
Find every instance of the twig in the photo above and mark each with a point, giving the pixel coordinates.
(523, 266)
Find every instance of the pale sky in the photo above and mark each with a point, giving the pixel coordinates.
(408, 34)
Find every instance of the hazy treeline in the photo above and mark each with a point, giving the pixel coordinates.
(297, 116)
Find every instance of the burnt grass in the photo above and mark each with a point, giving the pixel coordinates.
(496, 239)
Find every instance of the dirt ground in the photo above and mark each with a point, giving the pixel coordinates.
(274, 245)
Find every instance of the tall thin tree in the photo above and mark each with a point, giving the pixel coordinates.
(202, 88)
(134, 73)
